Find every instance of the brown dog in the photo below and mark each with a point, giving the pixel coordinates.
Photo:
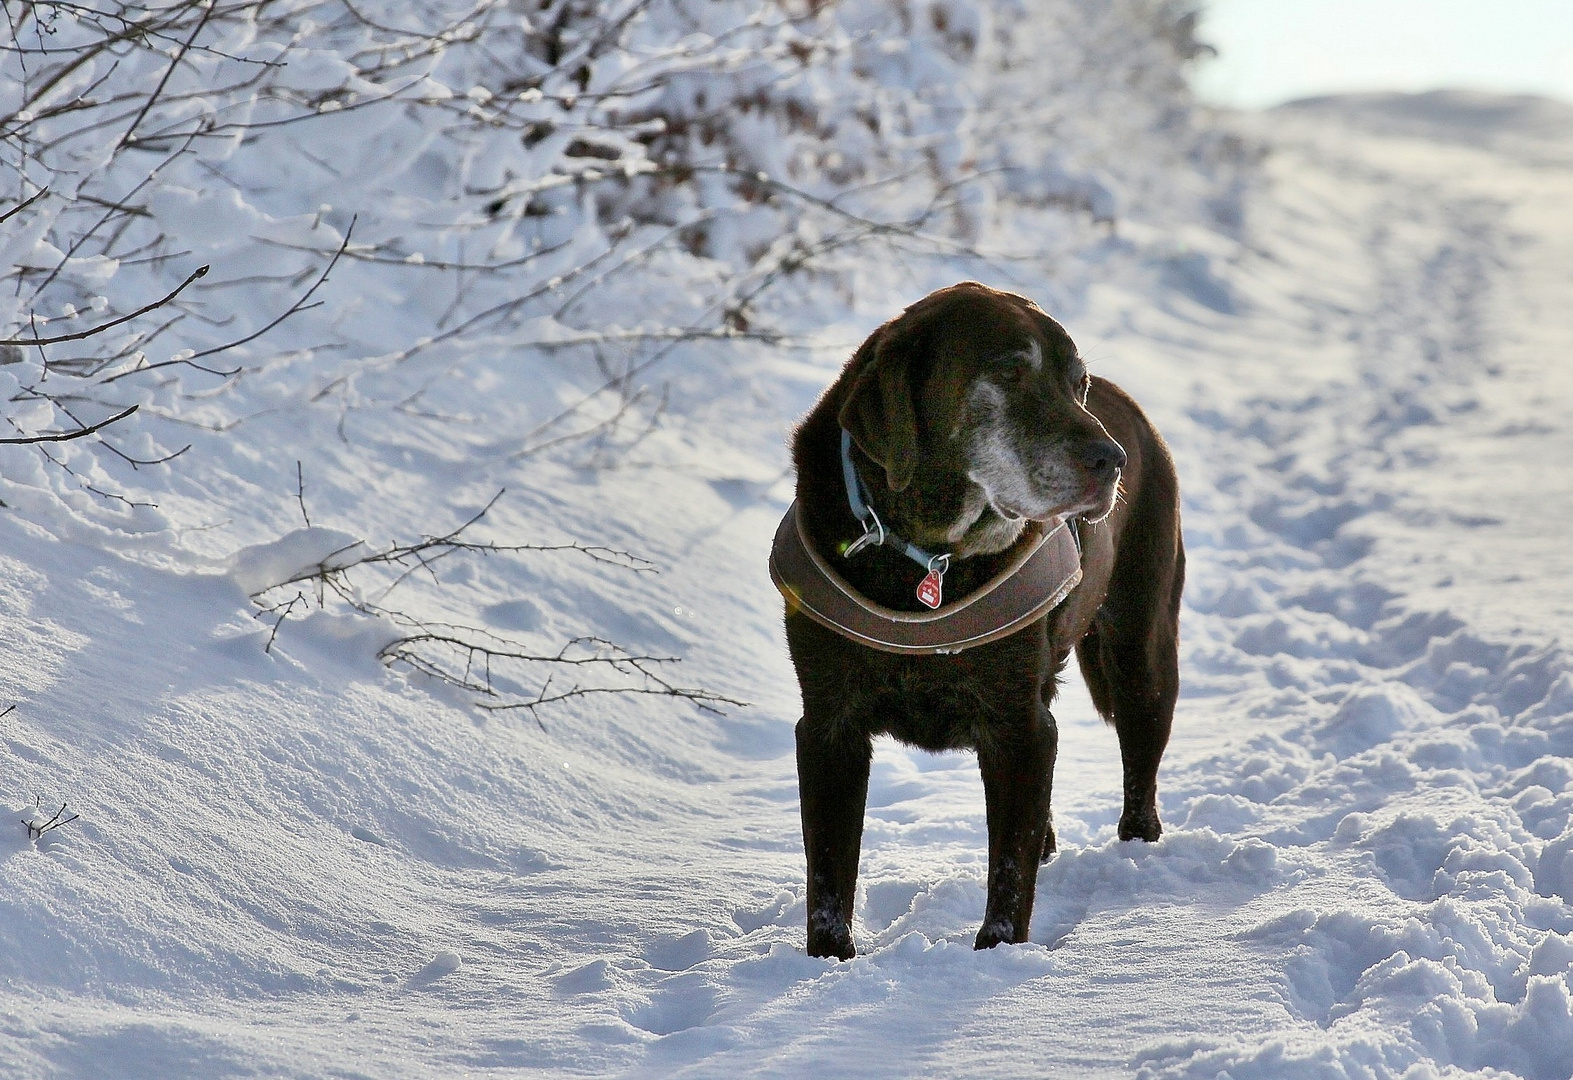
(969, 414)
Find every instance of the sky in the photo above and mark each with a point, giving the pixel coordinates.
(1271, 51)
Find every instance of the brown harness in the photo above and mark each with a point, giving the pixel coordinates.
(1035, 582)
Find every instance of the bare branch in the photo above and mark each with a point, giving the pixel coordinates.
(367, 255)
(174, 62)
(463, 656)
(36, 829)
(24, 204)
(69, 435)
(200, 271)
(423, 553)
(137, 462)
(607, 656)
(300, 492)
(297, 306)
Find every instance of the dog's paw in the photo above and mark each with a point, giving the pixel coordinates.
(829, 934)
(995, 932)
(1140, 826)
(831, 944)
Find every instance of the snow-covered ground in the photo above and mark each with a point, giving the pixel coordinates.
(292, 861)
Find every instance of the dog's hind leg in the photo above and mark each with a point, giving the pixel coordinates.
(1130, 661)
(1143, 718)
(832, 779)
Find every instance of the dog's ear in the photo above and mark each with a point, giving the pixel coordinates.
(879, 411)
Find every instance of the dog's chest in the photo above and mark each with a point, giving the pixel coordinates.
(944, 702)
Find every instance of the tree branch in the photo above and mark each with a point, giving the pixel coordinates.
(200, 271)
(298, 305)
(69, 435)
(24, 204)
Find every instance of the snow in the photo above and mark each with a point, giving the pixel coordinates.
(295, 860)
(291, 557)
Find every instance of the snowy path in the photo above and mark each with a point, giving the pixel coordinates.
(1376, 723)
(1369, 797)
(1397, 594)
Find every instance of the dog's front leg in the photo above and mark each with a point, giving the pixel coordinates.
(1017, 767)
(832, 781)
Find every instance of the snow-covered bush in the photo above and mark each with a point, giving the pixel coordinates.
(578, 181)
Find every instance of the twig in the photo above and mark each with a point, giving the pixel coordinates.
(77, 244)
(705, 700)
(23, 205)
(283, 612)
(479, 649)
(424, 263)
(298, 305)
(607, 656)
(200, 271)
(174, 62)
(300, 492)
(136, 462)
(35, 830)
(422, 554)
(69, 435)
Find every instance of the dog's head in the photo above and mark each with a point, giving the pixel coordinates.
(979, 393)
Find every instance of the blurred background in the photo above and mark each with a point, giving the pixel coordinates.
(1272, 51)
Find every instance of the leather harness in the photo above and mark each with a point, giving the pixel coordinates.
(1040, 576)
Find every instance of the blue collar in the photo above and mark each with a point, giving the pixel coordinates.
(874, 532)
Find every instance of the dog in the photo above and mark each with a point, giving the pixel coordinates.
(971, 417)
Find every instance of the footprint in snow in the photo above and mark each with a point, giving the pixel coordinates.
(682, 1002)
(679, 954)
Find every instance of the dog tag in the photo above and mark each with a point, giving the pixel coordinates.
(929, 589)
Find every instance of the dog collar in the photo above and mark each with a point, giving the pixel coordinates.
(1035, 582)
(931, 588)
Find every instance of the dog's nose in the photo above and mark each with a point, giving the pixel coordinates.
(1100, 457)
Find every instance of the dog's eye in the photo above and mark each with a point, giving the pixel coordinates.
(1015, 369)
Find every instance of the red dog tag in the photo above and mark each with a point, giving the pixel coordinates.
(929, 589)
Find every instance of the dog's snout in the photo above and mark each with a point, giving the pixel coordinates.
(1100, 457)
